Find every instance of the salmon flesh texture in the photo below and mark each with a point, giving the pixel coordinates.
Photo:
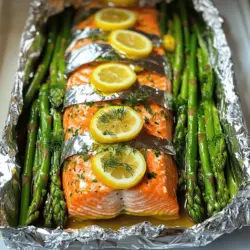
(155, 195)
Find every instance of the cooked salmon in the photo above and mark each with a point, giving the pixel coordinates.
(86, 196)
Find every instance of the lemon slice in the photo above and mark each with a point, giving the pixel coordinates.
(115, 18)
(112, 77)
(133, 44)
(119, 170)
(115, 124)
(121, 3)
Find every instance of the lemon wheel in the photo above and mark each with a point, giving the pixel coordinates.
(115, 124)
(119, 170)
(112, 77)
(115, 18)
(131, 43)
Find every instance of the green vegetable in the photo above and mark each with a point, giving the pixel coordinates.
(215, 136)
(29, 158)
(34, 51)
(193, 195)
(57, 68)
(55, 207)
(43, 67)
(210, 190)
(41, 181)
(179, 55)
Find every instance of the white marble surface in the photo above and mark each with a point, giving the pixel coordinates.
(13, 14)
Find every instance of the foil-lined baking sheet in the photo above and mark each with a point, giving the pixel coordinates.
(144, 235)
(141, 93)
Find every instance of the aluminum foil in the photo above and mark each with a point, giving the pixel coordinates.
(83, 144)
(101, 51)
(86, 93)
(91, 32)
(144, 235)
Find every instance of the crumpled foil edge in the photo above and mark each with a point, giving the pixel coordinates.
(144, 235)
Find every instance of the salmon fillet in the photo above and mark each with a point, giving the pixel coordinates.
(86, 196)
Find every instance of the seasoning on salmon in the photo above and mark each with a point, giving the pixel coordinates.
(86, 196)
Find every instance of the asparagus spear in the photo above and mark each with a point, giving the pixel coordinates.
(180, 130)
(37, 158)
(232, 184)
(200, 181)
(178, 59)
(58, 84)
(193, 194)
(53, 66)
(41, 180)
(34, 50)
(220, 157)
(210, 189)
(55, 206)
(47, 212)
(200, 65)
(29, 157)
(184, 19)
(43, 67)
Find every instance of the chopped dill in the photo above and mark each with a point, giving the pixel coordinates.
(76, 132)
(113, 161)
(81, 176)
(137, 110)
(86, 158)
(100, 37)
(148, 108)
(106, 132)
(157, 153)
(100, 106)
(149, 78)
(69, 130)
(151, 175)
(90, 104)
(112, 114)
(134, 99)
(133, 150)
(146, 119)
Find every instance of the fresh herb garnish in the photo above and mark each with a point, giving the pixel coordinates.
(146, 119)
(90, 104)
(81, 176)
(157, 153)
(112, 114)
(151, 175)
(113, 161)
(149, 78)
(106, 132)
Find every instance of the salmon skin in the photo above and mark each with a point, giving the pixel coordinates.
(86, 196)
